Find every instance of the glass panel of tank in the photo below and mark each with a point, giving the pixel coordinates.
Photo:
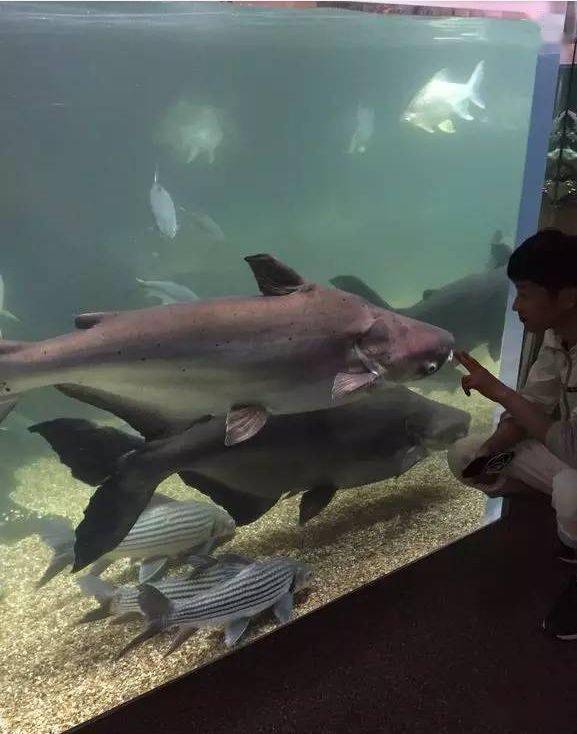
(349, 184)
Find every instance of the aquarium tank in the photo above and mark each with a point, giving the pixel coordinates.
(239, 243)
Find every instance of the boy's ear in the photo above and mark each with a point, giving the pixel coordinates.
(567, 298)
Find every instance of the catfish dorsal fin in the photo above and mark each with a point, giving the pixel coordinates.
(88, 320)
(273, 277)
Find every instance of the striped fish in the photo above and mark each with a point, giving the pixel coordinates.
(122, 601)
(166, 529)
(262, 585)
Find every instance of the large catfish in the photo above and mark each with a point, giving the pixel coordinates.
(298, 347)
(316, 453)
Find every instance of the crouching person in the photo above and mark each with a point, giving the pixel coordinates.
(535, 444)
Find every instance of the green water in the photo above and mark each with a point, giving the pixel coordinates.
(89, 91)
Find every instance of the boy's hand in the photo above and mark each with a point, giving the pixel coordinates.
(480, 379)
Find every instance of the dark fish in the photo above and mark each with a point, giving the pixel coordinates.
(471, 308)
(232, 605)
(319, 452)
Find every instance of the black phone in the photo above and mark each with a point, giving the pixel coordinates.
(492, 464)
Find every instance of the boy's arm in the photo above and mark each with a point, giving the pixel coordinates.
(506, 435)
(541, 389)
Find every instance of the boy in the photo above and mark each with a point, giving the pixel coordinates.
(539, 425)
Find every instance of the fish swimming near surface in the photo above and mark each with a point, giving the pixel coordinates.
(314, 454)
(435, 106)
(166, 529)
(364, 130)
(122, 601)
(298, 347)
(163, 209)
(167, 291)
(265, 584)
(472, 308)
(4, 313)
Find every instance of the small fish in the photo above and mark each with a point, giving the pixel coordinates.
(435, 105)
(167, 292)
(262, 585)
(202, 135)
(166, 529)
(163, 209)
(205, 226)
(363, 131)
(122, 601)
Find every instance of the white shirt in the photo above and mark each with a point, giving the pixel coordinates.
(552, 383)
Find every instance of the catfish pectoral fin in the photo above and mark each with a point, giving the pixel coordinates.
(348, 382)
(243, 423)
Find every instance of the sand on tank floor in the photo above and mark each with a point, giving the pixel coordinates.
(56, 674)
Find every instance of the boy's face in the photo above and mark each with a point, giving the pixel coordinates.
(540, 309)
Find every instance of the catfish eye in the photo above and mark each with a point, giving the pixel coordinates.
(430, 368)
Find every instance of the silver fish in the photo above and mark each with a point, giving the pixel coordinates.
(167, 291)
(163, 209)
(204, 226)
(166, 529)
(435, 106)
(262, 585)
(297, 348)
(122, 601)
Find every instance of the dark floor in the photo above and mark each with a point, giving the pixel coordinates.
(450, 644)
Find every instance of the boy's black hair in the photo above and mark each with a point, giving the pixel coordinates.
(548, 259)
